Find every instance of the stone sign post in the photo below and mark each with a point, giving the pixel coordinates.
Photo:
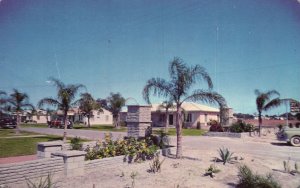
(138, 120)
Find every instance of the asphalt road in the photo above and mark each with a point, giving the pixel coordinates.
(260, 147)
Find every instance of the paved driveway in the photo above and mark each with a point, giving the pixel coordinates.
(88, 134)
(255, 146)
(268, 148)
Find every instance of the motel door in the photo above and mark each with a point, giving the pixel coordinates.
(170, 119)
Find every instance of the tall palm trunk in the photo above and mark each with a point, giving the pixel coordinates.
(65, 127)
(167, 121)
(116, 121)
(18, 123)
(259, 123)
(179, 132)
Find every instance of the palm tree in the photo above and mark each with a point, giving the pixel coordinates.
(114, 104)
(19, 102)
(167, 105)
(3, 101)
(87, 104)
(177, 90)
(64, 100)
(264, 102)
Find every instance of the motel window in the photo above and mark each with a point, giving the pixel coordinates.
(205, 118)
(106, 118)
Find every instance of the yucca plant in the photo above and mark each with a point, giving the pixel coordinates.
(155, 165)
(247, 179)
(43, 183)
(225, 155)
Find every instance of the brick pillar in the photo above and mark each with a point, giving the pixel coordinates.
(73, 162)
(44, 149)
(138, 120)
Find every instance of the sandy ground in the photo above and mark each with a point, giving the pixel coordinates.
(187, 172)
(263, 155)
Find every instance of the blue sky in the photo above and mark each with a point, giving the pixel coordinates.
(116, 46)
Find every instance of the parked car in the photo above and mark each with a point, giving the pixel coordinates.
(291, 134)
(59, 123)
(8, 123)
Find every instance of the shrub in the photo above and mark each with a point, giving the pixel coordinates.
(240, 127)
(216, 128)
(225, 155)
(76, 143)
(212, 169)
(133, 149)
(198, 125)
(155, 165)
(249, 180)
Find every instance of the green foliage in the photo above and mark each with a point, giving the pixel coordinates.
(240, 127)
(225, 155)
(43, 183)
(212, 169)
(247, 179)
(155, 165)
(133, 149)
(76, 143)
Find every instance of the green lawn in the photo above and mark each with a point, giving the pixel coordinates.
(12, 132)
(108, 128)
(34, 125)
(21, 146)
(185, 132)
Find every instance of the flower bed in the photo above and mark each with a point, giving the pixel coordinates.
(133, 149)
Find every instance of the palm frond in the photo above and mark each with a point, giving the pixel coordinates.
(159, 87)
(207, 97)
(57, 83)
(201, 73)
(49, 101)
(2, 92)
(272, 104)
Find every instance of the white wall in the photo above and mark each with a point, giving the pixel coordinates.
(99, 118)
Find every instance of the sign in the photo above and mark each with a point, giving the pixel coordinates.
(294, 106)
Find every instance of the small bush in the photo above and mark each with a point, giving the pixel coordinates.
(216, 127)
(76, 143)
(198, 125)
(225, 155)
(212, 169)
(240, 127)
(247, 179)
(155, 165)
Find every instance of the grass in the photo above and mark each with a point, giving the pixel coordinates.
(108, 128)
(12, 132)
(185, 132)
(39, 125)
(10, 147)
